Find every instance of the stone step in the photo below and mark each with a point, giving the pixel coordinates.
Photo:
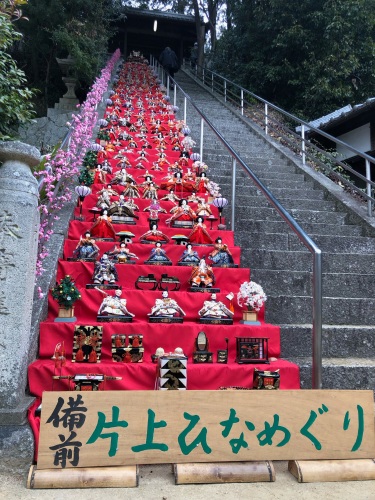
(340, 244)
(243, 186)
(263, 175)
(301, 193)
(286, 202)
(311, 229)
(304, 192)
(300, 283)
(302, 261)
(339, 373)
(244, 214)
(218, 160)
(225, 168)
(336, 310)
(261, 159)
(343, 341)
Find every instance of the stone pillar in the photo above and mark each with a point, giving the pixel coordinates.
(19, 224)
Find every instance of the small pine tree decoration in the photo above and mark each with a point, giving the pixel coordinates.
(103, 135)
(66, 292)
(86, 177)
(90, 159)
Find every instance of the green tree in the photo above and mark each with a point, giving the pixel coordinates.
(302, 55)
(57, 28)
(15, 106)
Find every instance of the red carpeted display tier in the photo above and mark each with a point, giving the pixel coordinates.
(78, 229)
(227, 279)
(142, 251)
(142, 376)
(158, 335)
(90, 211)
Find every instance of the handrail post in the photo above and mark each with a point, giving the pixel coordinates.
(233, 214)
(212, 82)
(174, 94)
(303, 145)
(368, 188)
(203, 75)
(185, 108)
(225, 91)
(242, 102)
(266, 118)
(317, 321)
(201, 140)
(167, 85)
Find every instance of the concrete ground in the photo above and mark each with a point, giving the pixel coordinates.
(156, 482)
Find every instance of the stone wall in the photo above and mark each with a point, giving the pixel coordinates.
(46, 131)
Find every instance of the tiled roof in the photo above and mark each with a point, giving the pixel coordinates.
(341, 115)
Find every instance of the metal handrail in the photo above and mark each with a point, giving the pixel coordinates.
(242, 98)
(302, 235)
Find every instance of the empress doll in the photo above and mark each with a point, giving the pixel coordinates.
(102, 227)
(199, 233)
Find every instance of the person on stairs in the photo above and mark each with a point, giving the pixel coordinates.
(169, 60)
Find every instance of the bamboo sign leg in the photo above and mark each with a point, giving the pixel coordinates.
(313, 471)
(95, 477)
(224, 472)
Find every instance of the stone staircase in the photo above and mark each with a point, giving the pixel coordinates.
(279, 261)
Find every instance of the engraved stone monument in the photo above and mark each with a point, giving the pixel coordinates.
(19, 223)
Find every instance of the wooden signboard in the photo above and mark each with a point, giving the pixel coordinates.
(114, 428)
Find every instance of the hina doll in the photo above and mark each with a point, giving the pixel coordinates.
(121, 208)
(102, 227)
(203, 209)
(121, 254)
(182, 213)
(202, 275)
(154, 235)
(147, 176)
(199, 234)
(155, 209)
(123, 162)
(215, 309)
(104, 197)
(171, 197)
(131, 190)
(157, 166)
(106, 167)
(166, 307)
(104, 271)
(193, 198)
(202, 184)
(113, 305)
(221, 255)
(100, 176)
(158, 255)
(189, 256)
(122, 177)
(183, 161)
(150, 192)
(86, 248)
